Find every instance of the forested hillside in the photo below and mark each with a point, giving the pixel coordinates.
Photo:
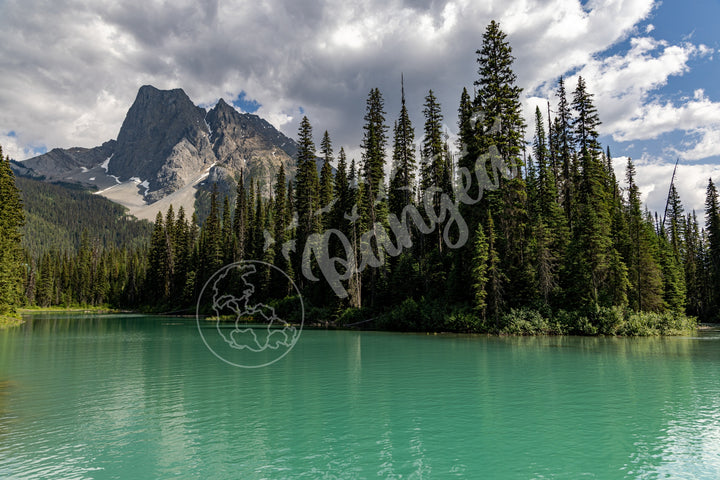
(56, 216)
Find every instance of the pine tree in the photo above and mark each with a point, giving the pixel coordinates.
(228, 242)
(693, 267)
(499, 98)
(282, 218)
(564, 142)
(540, 149)
(435, 166)
(433, 161)
(373, 197)
(549, 226)
(673, 276)
(373, 154)
(676, 223)
(712, 226)
(183, 258)
(157, 272)
(259, 225)
(240, 219)
(307, 191)
(403, 179)
(496, 278)
(355, 282)
(644, 273)
(326, 178)
(342, 191)
(586, 121)
(480, 271)
(46, 282)
(211, 247)
(502, 126)
(469, 150)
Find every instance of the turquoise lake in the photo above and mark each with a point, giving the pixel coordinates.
(134, 397)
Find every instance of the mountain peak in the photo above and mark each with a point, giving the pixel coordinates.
(157, 122)
(150, 90)
(167, 149)
(223, 109)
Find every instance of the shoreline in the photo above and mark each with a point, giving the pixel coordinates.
(9, 321)
(708, 326)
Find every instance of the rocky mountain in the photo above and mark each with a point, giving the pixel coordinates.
(166, 148)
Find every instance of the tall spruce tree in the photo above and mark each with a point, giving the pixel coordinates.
(326, 178)
(373, 155)
(565, 147)
(693, 267)
(596, 273)
(373, 198)
(307, 192)
(712, 226)
(435, 165)
(498, 97)
(502, 126)
(403, 177)
(586, 121)
(433, 161)
(282, 218)
(479, 271)
(341, 187)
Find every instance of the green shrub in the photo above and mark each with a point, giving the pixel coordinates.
(349, 316)
(609, 320)
(652, 323)
(463, 321)
(525, 321)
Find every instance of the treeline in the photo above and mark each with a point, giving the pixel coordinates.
(79, 248)
(499, 237)
(11, 222)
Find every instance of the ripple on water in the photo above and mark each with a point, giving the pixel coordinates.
(143, 399)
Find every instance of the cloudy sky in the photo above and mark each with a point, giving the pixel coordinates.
(71, 69)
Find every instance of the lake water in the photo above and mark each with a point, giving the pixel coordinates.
(123, 396)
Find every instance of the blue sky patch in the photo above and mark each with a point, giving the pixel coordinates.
(246, 104)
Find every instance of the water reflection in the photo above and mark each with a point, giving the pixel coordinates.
(134, 397)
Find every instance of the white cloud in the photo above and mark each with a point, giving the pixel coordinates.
(625, 87)
(653, 177)
(76, 66)
(15, 148)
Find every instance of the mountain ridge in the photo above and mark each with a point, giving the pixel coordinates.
(165, 146)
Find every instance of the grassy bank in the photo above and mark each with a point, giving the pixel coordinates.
(72, 309)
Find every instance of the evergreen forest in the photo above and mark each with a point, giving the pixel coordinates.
(539, 238)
